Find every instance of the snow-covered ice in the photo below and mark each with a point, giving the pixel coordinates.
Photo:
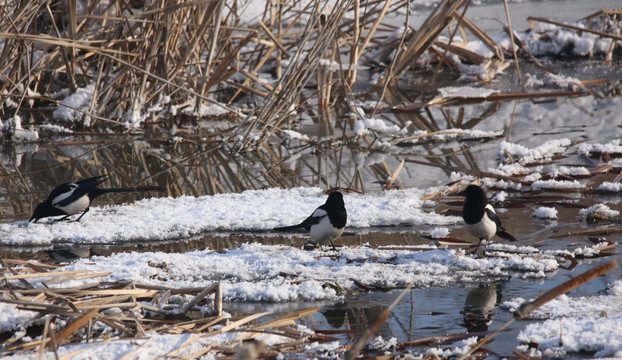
(575, 324)
(467, 92)
(544, 212)
(277, 273)
(540, 153)
(170, 218)
(599, 209)
(612, 147)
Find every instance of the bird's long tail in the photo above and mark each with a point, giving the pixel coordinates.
(289, 228)
(98, 192)
(504, 235)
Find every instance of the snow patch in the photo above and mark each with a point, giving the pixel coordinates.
(545, 213)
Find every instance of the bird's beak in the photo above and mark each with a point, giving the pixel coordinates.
(462, 193)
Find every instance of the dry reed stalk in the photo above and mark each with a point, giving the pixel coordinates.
(531, 19)
(235, 324)
(393, 177)
(589, 232)
(302, 66)
(358, 42)
(269, 51)
(426, 34)
(452, 34)
(356, 38)
(435, 133)
(75, 325)
(74, 277)
(495, 97)
(217, 16)
(72, 354)
(482, 35)
(208, 290)
(507, 16)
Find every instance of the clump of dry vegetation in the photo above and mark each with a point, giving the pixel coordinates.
(98, 312)
(132, 65)
(151, 66)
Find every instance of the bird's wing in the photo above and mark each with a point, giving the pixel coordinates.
(70, 192)
(492, 215)
(62, 193)
(315, 218)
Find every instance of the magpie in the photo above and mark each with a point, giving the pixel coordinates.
(75, 197)
(326, 223)
(480, 219)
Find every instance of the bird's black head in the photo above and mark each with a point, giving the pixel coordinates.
(475, 204)
(40, 211)
(45, 209)
(335, 199)
(473, 192)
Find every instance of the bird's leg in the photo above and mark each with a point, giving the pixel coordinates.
(63, 218)
(479, 245)
(333, 245)
(81, 215)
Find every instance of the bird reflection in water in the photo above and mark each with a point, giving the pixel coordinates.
(353, 320)
(480, 307)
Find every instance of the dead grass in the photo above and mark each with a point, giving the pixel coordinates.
(148, 64)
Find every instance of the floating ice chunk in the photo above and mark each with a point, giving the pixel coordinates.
(569, 171)
(379, 344)
(461, 348)
(527, 156)
(439, 232)
(608, 186)
(501, 196)
(612, 147)
(161, 218)
(55, 128)
(545, 213)
(556, 184)
(296, 135)
(362, 127)
(599, 209)
(480, 134)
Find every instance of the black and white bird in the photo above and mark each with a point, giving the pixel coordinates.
(76, 197)
(327, 221)
(480, 218)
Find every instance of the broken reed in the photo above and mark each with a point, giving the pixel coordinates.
(559, 290)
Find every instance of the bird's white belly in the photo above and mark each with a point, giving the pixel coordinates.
(323, 232)
(75, 207)
(485, 229)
